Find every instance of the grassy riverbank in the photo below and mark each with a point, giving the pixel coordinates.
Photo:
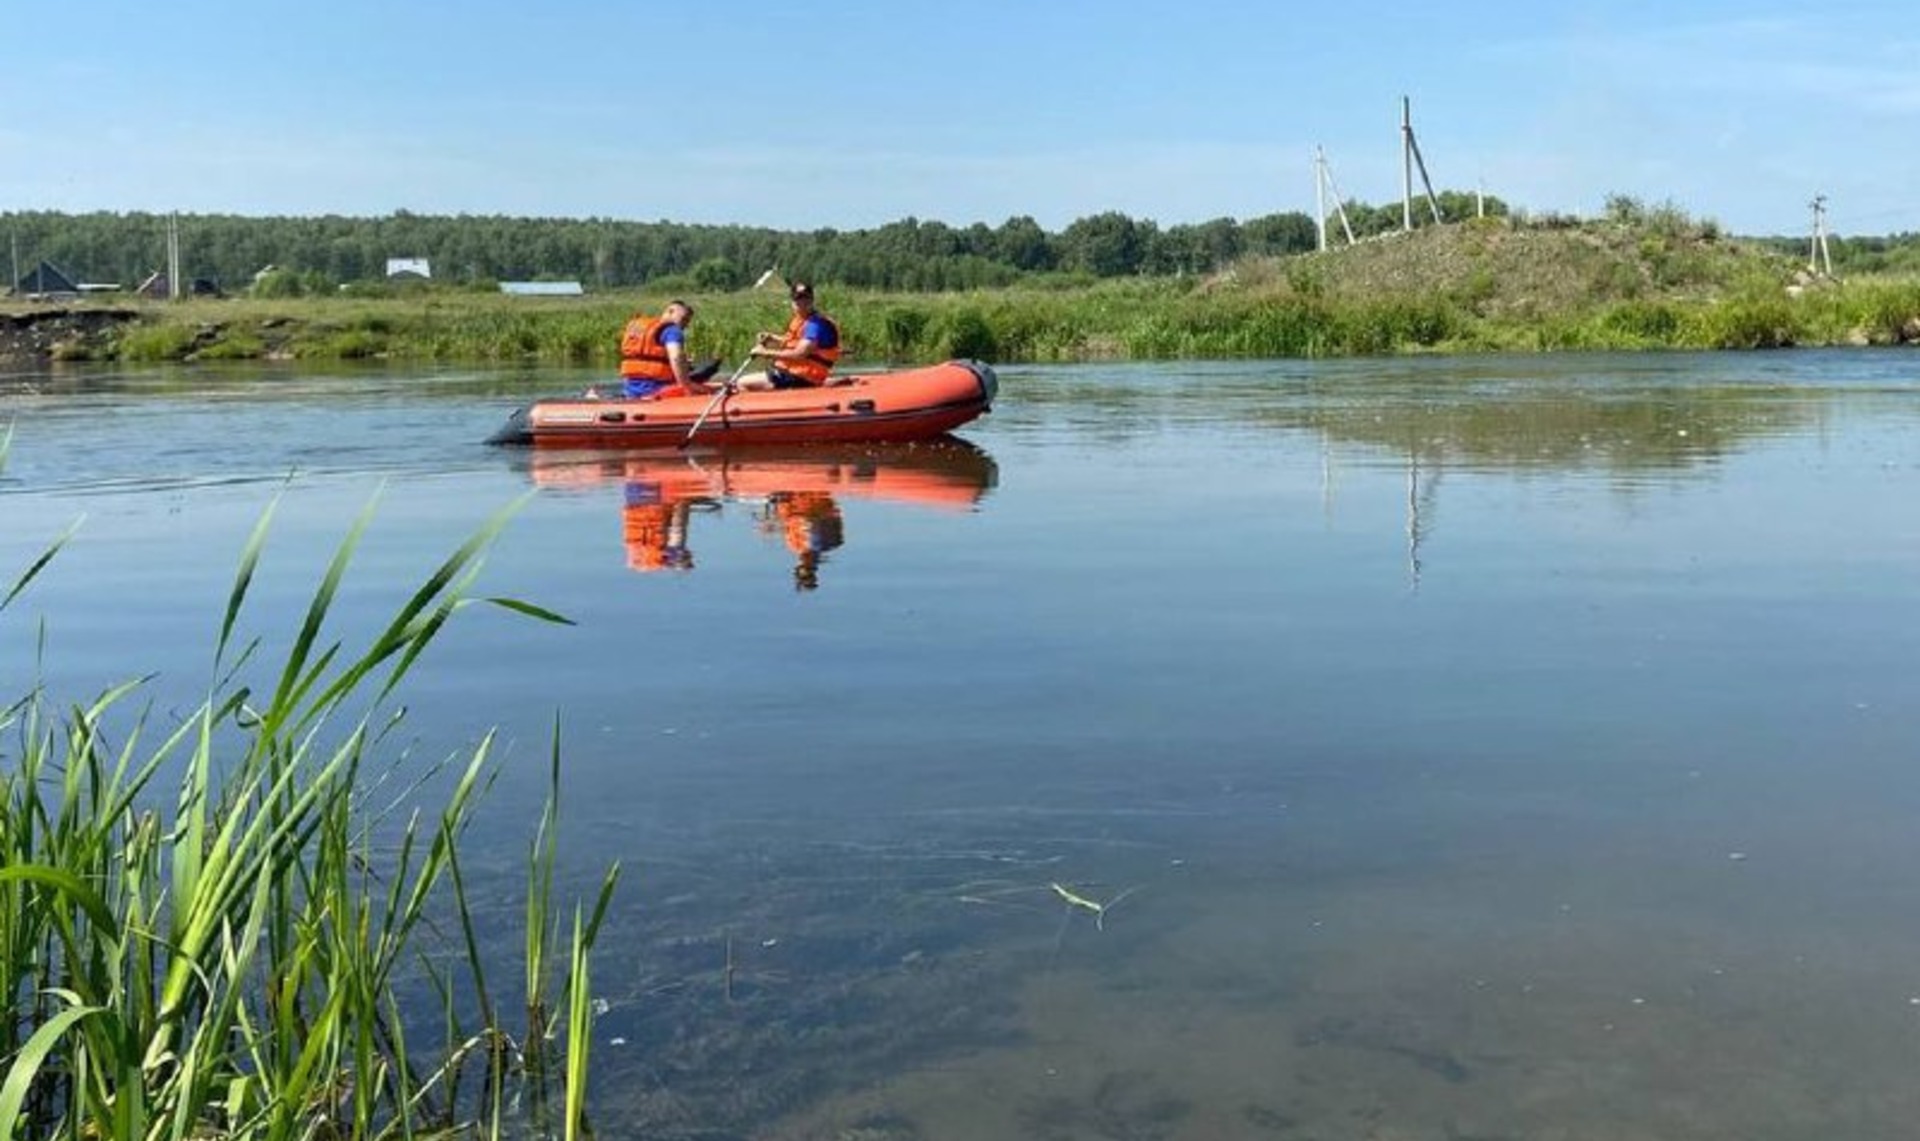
(223, 959)
(1646, 282)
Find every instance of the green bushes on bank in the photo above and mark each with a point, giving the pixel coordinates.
(1104, 322)
(156, 342)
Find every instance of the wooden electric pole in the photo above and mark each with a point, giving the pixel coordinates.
(1322, 187)
(1819, 258)
(1410, 157)
(173, 257)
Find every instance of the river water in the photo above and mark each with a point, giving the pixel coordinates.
(1512, 747)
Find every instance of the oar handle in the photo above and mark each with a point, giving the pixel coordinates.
(719, 394)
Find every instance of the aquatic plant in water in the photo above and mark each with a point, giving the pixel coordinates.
(229, 966)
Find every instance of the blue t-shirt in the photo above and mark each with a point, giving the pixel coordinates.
(821, 333)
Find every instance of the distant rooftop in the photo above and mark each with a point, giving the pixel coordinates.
(542, 288)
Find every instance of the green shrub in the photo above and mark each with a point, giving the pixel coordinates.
(279, 283)
(233, 347)
(156, 343)
(1749, 323)
(1885, 313)
(968, 335)
(1650, 321)
(345, 345)
(716, 275)
(905, 326)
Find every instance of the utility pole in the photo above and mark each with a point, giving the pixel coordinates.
(1409, 157)
(1819, 259)
(1320, 197)
(1406, 163)
(14, 281)
(173, 257)
(1322, 187)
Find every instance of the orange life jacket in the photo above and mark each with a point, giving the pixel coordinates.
(810, 521)
(814, 367)
(655, 538)
(642, 356)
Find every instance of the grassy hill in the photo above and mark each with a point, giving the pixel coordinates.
(1502, 270)
(1637, 282)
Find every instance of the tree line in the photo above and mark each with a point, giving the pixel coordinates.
(319, 253)
(1897, 254)
(316, 254)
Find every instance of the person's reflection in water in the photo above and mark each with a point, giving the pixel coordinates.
(655, 528)
(811, 524)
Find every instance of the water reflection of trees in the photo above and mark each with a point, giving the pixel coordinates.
(1634, 434)
(1491, 414)
(1560, 430)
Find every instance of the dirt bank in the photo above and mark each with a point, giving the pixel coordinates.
(33, 337)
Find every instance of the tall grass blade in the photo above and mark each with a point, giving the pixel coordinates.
(70, 885)
(292, 688)
(579, 1033)
(26, 1065)
(38, 565)
(530, 610)
(243, 577)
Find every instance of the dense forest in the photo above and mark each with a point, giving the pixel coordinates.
(314, 254)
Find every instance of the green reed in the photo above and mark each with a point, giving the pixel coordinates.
(228, 965)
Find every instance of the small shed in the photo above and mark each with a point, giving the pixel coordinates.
(541, 288)
(160, 286)
(409, 268)
(47, 280)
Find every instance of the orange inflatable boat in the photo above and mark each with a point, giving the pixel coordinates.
(911, 404)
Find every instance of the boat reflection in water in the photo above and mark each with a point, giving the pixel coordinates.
(797, 491)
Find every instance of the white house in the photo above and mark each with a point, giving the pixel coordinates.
(408, 267)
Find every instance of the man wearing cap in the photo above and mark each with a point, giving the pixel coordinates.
(802, 356)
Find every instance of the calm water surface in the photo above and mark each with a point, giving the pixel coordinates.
(1493, 748)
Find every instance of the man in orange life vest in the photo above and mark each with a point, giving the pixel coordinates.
(653, 355)
(803, 355)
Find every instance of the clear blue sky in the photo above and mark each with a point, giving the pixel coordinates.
(848, 115)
